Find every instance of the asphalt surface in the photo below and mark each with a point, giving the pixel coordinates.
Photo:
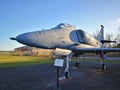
(43, 77)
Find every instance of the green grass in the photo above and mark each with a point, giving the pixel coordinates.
(4, 53)
(7, 61)
(25, 63)
(11, 59)
(105, 61)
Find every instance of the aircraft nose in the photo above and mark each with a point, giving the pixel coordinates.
(25, 38)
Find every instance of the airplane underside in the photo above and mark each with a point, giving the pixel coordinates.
(67, 55)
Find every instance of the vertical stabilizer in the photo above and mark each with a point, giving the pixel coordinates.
(100, 36)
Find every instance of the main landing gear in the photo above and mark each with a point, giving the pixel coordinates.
(103, 66)
(78, 62)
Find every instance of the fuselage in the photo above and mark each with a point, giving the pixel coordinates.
(69, 38)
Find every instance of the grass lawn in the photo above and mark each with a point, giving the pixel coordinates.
(7, 61)
(98, 61)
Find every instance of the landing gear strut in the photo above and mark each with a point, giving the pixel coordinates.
(103, 66)
(78, 62)
(67, 73)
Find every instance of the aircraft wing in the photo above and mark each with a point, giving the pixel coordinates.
(96, 50)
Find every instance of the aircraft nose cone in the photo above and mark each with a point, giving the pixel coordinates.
(24, 38)
(21, 38)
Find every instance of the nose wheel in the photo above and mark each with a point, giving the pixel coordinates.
(67, 74)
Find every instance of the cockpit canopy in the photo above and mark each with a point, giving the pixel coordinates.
(80, 36)
(64, 26)
(77, 36)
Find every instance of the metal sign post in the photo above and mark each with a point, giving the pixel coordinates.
(57, 77)
(58, 63)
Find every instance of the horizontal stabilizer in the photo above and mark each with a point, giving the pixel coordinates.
(107, 41)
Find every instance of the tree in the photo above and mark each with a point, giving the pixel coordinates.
(109, 37)
(117, 39)
(96, 33)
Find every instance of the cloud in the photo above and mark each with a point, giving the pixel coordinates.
(113, 26)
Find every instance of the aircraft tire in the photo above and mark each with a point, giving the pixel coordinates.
(77, 64)
(103, 67)
(67, 74)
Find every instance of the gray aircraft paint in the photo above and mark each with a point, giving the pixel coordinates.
(64, 36)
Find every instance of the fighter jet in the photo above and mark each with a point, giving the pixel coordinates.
(67, 40)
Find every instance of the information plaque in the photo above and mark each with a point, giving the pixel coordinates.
(58, 62)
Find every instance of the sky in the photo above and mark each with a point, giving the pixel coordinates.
(20, 16)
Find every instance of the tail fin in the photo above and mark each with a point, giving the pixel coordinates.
(100, 35)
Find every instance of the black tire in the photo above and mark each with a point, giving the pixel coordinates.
(67, 74)
(103, 67)
(77, 64)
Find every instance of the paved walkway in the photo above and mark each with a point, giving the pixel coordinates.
(43, 77)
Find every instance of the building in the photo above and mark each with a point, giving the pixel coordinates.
(32, 51)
